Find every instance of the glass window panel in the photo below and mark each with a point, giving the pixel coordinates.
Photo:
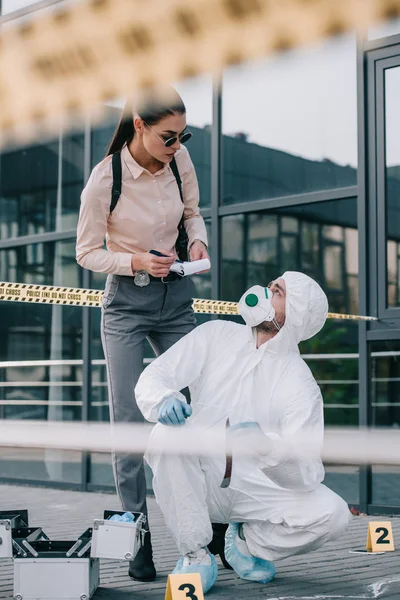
(333, 267)
(197, 96)
(40, 188)
(392, 164)
(288, 251)
(101, 135)
(290, 123)
(333, 233)
(41, 357)
(310, 246)
(289, 225)
(385, 412)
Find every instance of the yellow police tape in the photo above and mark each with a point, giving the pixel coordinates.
(50, 294)
(61, 63)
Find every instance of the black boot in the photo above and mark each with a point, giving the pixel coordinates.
(217, 544)
(142, 566)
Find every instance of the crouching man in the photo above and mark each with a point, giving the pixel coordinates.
(250, 377)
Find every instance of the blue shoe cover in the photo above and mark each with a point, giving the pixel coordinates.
(208, 573)
(247, 567)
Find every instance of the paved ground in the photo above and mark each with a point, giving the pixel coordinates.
(330, 573)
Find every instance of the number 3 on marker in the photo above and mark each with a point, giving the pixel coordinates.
(184, 587)
(190, 590)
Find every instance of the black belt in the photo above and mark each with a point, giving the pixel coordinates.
(228, 460)
(170, 277)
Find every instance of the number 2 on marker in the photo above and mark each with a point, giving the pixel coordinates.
(382, 539)
(380, 536)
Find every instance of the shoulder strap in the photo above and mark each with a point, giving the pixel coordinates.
(174, 168)
(117, 180)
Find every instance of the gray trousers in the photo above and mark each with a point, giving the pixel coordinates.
(160, 312)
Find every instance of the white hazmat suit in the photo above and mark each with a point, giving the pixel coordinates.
(281, 502)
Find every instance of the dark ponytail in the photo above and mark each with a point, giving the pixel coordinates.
(124, 132)
(152, 109)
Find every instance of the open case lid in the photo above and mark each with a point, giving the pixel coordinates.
(38, 545)
(17, 518)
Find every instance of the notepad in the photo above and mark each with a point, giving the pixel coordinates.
(190, 268)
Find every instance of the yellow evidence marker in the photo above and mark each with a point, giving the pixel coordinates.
(183, 587)
(380, 537)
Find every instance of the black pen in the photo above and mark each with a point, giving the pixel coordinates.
(157, 253)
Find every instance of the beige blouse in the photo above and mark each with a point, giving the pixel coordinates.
(146, 216)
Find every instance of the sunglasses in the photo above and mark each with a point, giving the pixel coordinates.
(183, 137)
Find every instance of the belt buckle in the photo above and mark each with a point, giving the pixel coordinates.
(141, 278)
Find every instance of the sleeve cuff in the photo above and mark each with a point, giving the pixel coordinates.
(198, 238)
(124, 264)
(153, 417)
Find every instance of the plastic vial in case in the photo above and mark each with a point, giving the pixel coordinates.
(117, 540)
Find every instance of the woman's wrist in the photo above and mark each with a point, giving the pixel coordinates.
(201, 242)
(135, 263)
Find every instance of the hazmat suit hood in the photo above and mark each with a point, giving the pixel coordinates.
(306, 306)
(306, 311)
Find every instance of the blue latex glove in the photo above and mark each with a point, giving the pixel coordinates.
(173, 411)
(125, 518)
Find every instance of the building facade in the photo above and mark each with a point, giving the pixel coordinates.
(298, 162)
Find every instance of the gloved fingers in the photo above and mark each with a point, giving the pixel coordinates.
(167, 416)
(164, 414)
(187, 409)
(178, 413)
(171, 414)
(174, 412)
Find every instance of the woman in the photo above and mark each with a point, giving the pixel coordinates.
(142, 299)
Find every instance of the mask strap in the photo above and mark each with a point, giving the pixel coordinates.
(275, 322)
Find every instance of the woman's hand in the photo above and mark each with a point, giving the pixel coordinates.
(198, 251)
(155, 265)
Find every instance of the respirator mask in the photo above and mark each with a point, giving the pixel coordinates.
(255, 306)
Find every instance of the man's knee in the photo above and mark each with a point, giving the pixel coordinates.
(160, 448)
(160, 438)
(340, 517)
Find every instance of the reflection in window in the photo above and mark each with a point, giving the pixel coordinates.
(258, 247)
(31, 199)
(392, 164)
(290, 123)
(385, 412)
(44, 264)
(49, 386)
